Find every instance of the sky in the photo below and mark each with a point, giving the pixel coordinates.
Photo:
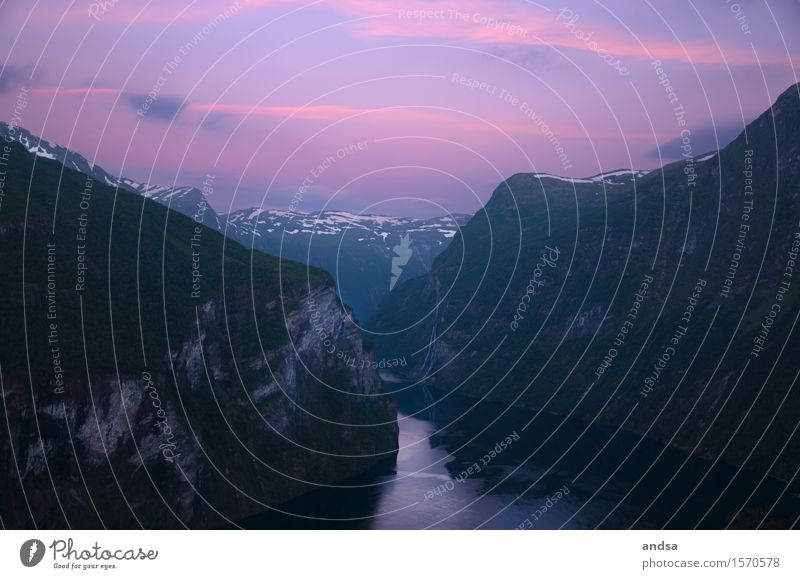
(412, 108)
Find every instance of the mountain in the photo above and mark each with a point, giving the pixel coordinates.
(154, 374)
(662, 303)
(49, 150)
(189, 201)
(357, 250)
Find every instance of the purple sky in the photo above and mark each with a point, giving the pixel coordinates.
(372, 102)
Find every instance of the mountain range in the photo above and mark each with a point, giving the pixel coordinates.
(356, 249)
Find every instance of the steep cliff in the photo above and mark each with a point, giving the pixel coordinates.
(156, 374)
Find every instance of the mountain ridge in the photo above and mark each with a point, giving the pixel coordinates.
(356, 249)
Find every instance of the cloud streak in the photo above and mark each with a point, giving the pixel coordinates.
(417, 117)
(77, 90)
(325, 112)
(157, 14)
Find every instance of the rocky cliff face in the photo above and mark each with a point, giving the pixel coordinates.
(139, 393)
(131, 430)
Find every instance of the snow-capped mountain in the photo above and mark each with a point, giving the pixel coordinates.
(260, 222)
(190, 201)
(360, 251)
(187, 200)
(49, 150)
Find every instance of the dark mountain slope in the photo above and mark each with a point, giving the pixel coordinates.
(668, 308)
(155, 374)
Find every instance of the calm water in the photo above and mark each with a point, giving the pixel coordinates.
(470, 469)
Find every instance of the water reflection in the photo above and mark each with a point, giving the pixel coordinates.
(464, 468)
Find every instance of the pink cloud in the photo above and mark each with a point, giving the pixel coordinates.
(500, 23)
(328, 112)
(425, 118)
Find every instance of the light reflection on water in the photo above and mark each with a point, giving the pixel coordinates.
(575, 480)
